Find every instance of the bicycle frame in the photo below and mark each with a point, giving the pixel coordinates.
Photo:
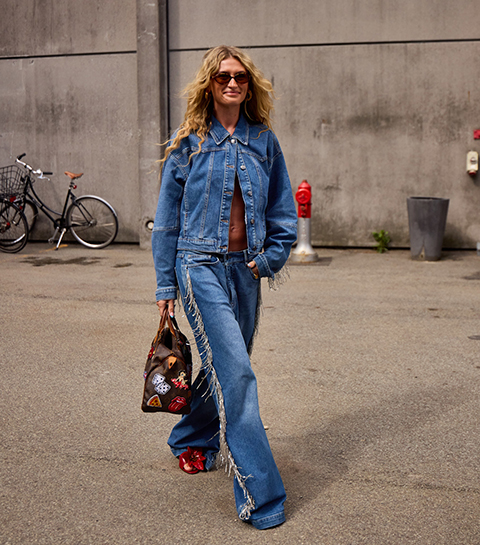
(59, 222)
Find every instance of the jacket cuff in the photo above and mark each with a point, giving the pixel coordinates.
(263, 266)
(166, 293)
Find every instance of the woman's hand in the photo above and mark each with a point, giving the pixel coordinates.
(252, 265)
(170, 303)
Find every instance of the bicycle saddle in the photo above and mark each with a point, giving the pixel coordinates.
(72, 175)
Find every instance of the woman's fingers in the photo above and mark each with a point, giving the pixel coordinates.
(164, 303)
(254, 268)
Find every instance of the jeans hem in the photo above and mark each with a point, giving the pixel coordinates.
(268, 522)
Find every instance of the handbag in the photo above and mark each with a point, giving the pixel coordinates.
(168, 371)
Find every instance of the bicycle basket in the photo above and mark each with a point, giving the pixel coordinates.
(12, 181)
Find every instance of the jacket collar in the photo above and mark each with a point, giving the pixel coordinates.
(220, 134)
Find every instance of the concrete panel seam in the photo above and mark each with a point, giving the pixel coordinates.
(330, 44)
(64, 55)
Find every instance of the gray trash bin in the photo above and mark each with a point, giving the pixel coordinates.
(427, 217)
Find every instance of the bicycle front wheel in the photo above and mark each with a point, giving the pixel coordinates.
(92, 221)
(31, 212)
(13, 228)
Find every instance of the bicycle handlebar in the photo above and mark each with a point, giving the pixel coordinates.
(37, 172)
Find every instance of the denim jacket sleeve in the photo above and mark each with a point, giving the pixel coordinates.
(167, 226)
(280, 218)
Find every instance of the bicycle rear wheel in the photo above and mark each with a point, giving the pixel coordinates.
(13, 228)
(92, 221)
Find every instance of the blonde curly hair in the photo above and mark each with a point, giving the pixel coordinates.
(258, 107)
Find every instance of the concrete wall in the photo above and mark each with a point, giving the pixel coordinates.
(378, 102)
(67, 27)
(68, 81)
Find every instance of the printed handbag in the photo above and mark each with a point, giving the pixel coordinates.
(168, 371)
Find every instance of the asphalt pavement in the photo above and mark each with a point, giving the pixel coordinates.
(369, 379)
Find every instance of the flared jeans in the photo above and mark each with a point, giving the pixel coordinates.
(220, 295)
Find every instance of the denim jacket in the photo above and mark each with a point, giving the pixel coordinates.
(193, 211)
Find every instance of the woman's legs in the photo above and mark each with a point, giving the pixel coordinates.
(200, 428)
(220, 298)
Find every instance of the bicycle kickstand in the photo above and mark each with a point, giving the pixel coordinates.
(52, 239)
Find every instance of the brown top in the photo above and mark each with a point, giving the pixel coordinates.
(237, 236)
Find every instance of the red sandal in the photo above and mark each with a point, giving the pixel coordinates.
(193, 458)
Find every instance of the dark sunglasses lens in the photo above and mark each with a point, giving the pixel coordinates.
(222, 78)
(241, 78)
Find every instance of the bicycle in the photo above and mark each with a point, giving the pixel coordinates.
(92, 220)
(13, 224)
(13, 227)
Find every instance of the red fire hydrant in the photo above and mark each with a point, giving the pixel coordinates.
(304, 199)
(304, 253)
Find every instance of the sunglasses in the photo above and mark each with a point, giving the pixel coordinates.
(223, 78)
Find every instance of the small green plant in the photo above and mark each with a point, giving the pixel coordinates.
(382, 239)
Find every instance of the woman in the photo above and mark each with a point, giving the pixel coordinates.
(225, 218)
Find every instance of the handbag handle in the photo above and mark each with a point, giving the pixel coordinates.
(172, 325)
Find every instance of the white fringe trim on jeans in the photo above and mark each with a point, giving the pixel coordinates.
(224, 457)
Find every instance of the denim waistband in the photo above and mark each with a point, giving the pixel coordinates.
(232, 256)
(236, 257)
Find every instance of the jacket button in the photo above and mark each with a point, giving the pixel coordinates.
(233, 141)
(243, 167)
(252, 221)
(249, 193)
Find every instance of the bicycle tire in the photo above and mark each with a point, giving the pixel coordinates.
(92, 221)
(31, 212)
(13, 228)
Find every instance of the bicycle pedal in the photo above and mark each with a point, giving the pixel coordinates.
(51, 240)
